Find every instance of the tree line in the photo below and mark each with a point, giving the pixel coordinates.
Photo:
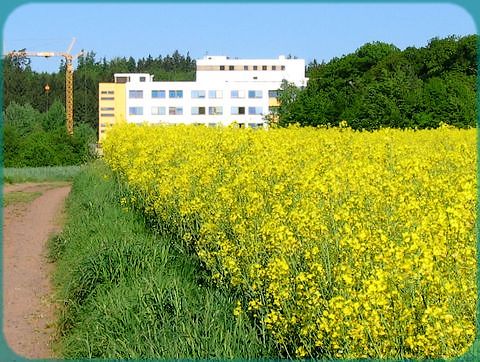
(381, 86)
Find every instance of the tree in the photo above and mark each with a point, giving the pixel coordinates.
(378, 86)
(289, 108)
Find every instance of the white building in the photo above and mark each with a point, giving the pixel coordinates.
(225, 91)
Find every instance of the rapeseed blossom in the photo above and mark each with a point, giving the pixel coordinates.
(343, 244)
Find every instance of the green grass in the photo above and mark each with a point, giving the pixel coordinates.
(40, 174)
(16, 197)
(127, 292)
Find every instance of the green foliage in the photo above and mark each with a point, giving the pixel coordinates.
(55, 117)
(22, 118)
(129, 293)
(34, 139)
(381, 86)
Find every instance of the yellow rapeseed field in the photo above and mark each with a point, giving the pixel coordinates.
(342, 244)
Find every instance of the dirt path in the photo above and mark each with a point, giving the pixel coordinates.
(27, 291)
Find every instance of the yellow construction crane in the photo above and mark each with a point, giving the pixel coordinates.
(68, 75)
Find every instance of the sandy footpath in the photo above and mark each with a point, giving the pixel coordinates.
(28, 305)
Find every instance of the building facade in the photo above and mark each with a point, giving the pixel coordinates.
(225, 91)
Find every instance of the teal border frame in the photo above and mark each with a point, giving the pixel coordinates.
(7, 7)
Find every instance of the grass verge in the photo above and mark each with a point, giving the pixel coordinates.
(40, 174)
(16, 197)
(127, 292)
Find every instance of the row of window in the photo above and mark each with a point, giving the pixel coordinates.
(195, 111)
(201, 94)
(252, 67)
(107, 95)
(109, 111)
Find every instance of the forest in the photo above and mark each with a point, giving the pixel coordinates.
(380, 85)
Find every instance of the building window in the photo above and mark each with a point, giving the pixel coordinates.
(135, 111)
(175, 94)
(215, 94)
(175, 111)
(231, 67)
(273, 94)
(273, 109)
(274, 67)
(198, 94)
(142, 79)
(255, 67)
(107, 98)
(254, 110)
(237, 94)
(107, 115)
(197, 111)
(238, 110)
(122, 79)
(158, 94)
(255, 94)
(107, 109)
(245, 67)
(222, 67)
(135, 94)
(215, 111)
(283, 67)
(264, 67)
(158, 111)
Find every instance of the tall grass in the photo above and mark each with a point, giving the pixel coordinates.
(40, 174)
(126, 292)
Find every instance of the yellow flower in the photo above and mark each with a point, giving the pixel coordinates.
(341, 242)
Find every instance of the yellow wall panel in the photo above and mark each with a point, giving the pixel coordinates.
(111, 106)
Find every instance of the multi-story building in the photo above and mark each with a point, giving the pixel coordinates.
(226, 90)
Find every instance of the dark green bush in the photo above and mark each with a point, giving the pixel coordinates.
(381, 86)
(34, 139)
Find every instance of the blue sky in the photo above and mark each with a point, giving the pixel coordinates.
(245, 30)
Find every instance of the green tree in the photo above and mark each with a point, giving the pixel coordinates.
(55, 118)
(380, 86)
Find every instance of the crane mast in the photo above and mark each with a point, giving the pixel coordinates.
(69, 94)
(68, 76)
